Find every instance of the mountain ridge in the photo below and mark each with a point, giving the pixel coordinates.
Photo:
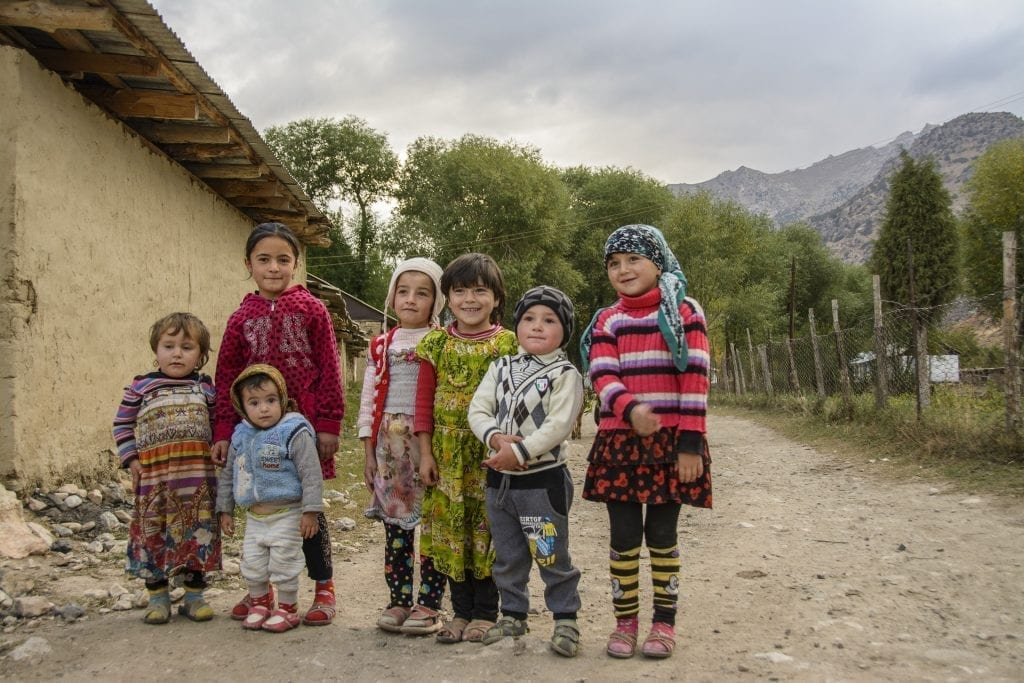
(843, 196)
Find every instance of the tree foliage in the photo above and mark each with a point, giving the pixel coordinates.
(478, 194)
(340, 160)
(919, 210)
(996, 196)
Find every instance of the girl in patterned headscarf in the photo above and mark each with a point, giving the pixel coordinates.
(648, 361)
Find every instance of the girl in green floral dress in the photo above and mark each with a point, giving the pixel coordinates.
(454, 532)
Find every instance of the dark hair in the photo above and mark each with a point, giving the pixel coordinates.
(472, 269)
(254, 382)
(193, 328)
(264, 230)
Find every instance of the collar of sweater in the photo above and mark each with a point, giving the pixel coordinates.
(646, 300)
(543, 359)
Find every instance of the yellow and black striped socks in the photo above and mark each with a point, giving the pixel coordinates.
(665, 566)
(624, 568)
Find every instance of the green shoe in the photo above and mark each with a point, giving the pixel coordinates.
(566, 638)
(158, 611)
(505, 627)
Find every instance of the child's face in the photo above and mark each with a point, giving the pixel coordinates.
(262, 405)
(414, 299)
(539, 330)
(472, 307)
(632, 274)
(272, 266)
(177, 355)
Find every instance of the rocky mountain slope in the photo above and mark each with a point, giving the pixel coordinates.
(844, 196)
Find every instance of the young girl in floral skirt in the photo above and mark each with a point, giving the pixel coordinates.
(386, 412)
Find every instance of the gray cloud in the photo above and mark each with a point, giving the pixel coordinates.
(680, 90)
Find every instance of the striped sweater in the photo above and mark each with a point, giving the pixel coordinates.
(630, 363)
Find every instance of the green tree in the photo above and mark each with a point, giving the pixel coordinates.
(477, 194)
(602, 200)
(919, 210)
(996, 205)
(342, 160)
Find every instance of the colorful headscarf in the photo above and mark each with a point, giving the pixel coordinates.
(648, 241)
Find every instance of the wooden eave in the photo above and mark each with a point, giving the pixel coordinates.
(122, 56)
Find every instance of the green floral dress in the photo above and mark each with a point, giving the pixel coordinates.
(454, 531)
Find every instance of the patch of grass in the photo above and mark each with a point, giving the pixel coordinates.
(961, 438)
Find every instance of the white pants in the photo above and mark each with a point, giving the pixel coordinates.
(272, 552)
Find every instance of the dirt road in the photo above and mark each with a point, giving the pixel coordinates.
(811, 567)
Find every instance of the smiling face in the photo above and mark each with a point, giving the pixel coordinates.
(632, 274)
(262, 405)
(177, 355)
(539, 330)
(472, 307)
(272, 264)
(414, 299)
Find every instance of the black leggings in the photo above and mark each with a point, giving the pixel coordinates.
(317, 551)
(629, 528)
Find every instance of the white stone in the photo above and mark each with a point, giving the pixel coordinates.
(30, 606)
(973, 500)
(96, 594)
(73, 501)
(95, 496)
(745, 525)
(74, 526)
(18, 539)
(230, 567)
(117, 590)
(94, 547)
(123, 603)
(774, 657)
(123, 516)
(36, 505)
(68, 489)
(33, 648)
(108, 520)
(177, 594)
(346, 524)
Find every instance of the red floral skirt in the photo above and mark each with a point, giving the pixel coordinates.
(627, 468)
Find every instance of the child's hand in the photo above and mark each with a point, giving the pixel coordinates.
(135, 468)
(370, 466)
(308, 525)
(691, 467)
(219, 453)
(644, 421)
(504, 459)
(428, 469)
(326, 445)
(227, 524)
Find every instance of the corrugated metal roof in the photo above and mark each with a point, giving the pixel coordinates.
(138, 30)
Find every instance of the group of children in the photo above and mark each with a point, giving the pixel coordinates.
(465, 431)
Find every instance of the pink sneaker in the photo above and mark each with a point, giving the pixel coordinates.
(622, 641)
(661, 641)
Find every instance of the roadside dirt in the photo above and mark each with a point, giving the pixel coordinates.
(812, 567)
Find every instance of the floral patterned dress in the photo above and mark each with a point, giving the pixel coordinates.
(454, 530)
(165, 423)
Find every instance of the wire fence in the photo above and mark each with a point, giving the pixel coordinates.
(880, 357)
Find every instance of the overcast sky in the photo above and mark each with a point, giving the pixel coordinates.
(679, 89)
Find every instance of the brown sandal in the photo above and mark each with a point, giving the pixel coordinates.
(453, 631)
(476, 630)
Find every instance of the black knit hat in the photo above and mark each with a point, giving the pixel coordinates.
(554, 299)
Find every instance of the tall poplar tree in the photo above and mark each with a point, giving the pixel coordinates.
(919, 209)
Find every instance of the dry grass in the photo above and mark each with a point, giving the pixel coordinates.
(961, 439)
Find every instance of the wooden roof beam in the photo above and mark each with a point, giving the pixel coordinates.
(242, 188)
(150, 104)
(228, 171)
(202, 152)
(51, 17)
(184, 133)
(276, 203)
(96, 63)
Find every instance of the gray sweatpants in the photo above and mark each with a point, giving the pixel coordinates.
(527, 529)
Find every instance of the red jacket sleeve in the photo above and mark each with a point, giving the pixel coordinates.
(330, 396)
(231, 360)
(426, 384)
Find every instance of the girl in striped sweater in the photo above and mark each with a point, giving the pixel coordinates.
(648, 360)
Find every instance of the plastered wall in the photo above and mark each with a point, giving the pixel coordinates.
(99, 236)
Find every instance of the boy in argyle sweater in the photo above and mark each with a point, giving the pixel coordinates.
(524, 411)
